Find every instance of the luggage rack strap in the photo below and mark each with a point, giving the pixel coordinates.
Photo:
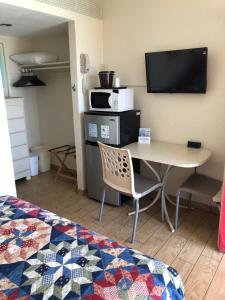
(63, 149)
(59, 148)
(62, 153)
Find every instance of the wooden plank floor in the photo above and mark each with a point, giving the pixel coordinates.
(191, 250)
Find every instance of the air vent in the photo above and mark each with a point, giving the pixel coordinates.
(92, 8)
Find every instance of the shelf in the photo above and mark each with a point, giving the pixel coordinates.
(58, 65)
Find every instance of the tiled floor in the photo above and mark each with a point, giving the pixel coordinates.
(191, 250)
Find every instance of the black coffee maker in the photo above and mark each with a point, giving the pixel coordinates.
(106, 79)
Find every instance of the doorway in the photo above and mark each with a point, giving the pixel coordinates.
(48, 110)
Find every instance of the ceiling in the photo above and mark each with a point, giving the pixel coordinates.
(28, 23)
(92, 8)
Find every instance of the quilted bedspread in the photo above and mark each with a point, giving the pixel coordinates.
(43, 256)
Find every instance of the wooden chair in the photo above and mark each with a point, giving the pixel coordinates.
(118, 174)
(200, 186)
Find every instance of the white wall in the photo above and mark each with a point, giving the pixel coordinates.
(18, 45)
(88, 33)
(49, 116)
(7, 183)
(55, 99)
(60, 116)
(49, 112)
(132, 28)
(87, 38)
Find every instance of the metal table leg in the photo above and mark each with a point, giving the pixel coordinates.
(168, 198)
(158, 193)
(164, 179)
(161, 178)
(148, 206)
(174, 204)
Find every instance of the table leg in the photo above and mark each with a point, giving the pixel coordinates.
(158, 193)
(157, 175)
(166, 214)
(164, 179)
(168, 198)
(161, 178)
(148, 206)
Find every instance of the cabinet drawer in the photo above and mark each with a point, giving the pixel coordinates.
(18, 139)
(21, 165)
(14, 112)
(14, 101)
(20, 152)
(22, 174)
(16, 125)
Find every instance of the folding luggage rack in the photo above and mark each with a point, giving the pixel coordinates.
(62, 153)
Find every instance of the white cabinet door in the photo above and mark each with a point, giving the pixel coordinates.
(19, 152)
(16, 125)
(14, 111)
(22, 174)
(21, 165)
(18, 138)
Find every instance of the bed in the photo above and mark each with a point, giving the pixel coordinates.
(43, 256)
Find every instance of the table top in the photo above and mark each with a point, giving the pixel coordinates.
(170, 154)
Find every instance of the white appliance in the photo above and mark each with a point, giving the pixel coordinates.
(111, 100)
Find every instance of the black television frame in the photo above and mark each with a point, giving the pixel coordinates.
(200, 90)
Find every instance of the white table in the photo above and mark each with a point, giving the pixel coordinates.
(171, 155)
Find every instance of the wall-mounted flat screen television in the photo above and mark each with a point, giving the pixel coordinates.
(177, 71)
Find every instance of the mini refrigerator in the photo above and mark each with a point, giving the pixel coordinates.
(115, 129)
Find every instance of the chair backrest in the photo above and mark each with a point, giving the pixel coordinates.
(117, 169)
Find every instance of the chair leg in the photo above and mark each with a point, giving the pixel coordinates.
(102, 204)
(177, 210)
(136, 203)
(162, 207)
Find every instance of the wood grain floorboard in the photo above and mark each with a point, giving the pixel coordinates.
(192, 250)
(184, 268)
(200, 278)
(217, 288)
(195, 245)
(170, 250)
(211, 249)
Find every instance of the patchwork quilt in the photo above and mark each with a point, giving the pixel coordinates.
(43, 256)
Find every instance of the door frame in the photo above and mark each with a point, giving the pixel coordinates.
(7, 180)
(77, 107)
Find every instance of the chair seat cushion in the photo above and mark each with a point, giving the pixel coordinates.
(201, 185)
(144, 185)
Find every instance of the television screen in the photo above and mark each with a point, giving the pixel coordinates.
(178, 71)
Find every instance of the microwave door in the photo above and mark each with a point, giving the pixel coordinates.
(100, 100)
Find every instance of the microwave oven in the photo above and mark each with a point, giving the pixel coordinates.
(114, 100)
